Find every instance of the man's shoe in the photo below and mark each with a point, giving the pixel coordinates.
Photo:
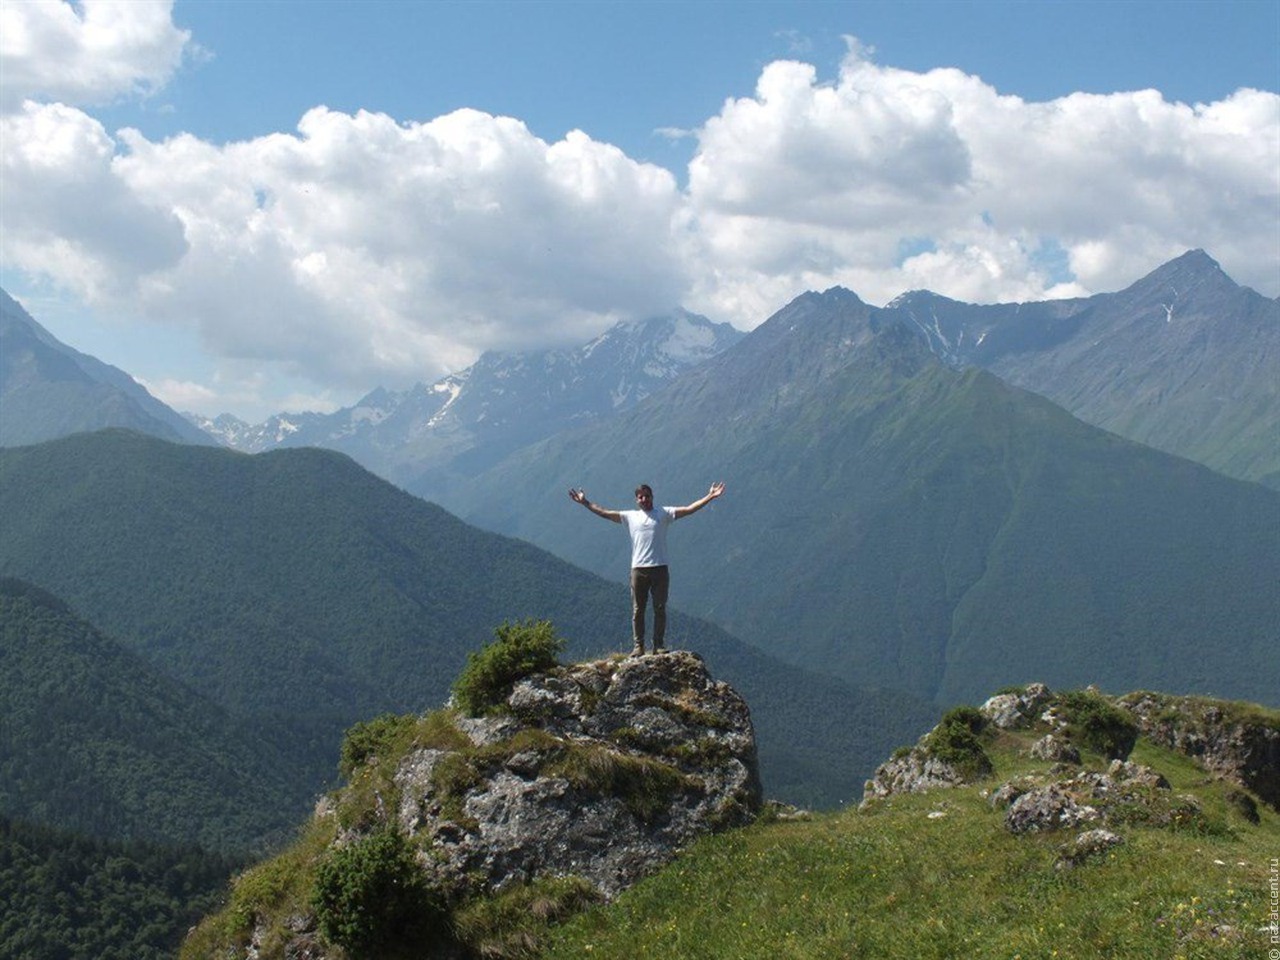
(637, 650)
(659, 648)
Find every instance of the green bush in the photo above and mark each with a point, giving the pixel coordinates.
(517, 651)
(372, 738)
(1094, 722)
(955, 741)
(372, 900)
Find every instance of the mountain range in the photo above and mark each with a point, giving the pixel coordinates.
(431, 438)
(899, 522)
(908, 520)
(1184, 360)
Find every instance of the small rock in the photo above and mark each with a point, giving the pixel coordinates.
(1012, 711)
(1047, 808)
(1053, 747)
(1088, 844)
(1129, 772)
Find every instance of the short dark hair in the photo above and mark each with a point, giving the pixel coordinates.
(644, 488)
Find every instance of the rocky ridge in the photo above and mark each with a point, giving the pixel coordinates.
(1235, 743)
(1231, 741)
(592, 775)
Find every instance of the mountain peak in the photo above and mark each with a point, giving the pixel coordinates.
(914, 298)
(1195, 269)
(50, 390)
(834, 295)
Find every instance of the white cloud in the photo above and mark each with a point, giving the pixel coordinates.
(67, 213)
(807, 185)
(359, 250)
(88, 53)
(181, 394)
(255, 392)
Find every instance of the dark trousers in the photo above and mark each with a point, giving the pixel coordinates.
(649, 582)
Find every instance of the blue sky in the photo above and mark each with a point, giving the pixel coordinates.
(239, 257)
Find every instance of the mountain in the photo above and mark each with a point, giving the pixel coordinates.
(48, 390)
(300, 592)
(97, 741)
(1184, 360)
(896, 522)
(431, 438)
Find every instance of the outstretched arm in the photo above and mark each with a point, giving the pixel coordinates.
(716, 490)
(580, 496)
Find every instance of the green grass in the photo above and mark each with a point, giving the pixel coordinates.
(272, 891)
(894, 882)
(914, 877)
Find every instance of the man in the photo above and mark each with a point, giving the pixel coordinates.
(649, 573)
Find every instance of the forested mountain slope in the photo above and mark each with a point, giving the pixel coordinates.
(96, 740)
(296, 589)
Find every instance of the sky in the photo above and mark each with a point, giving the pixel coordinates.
(257, 207)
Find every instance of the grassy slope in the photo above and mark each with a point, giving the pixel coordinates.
(932, 875)
(900, 881)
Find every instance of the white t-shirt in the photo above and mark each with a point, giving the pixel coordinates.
(648, 531)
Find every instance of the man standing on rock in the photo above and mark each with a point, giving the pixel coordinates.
(649, 573)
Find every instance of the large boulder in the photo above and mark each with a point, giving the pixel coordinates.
(602, 770)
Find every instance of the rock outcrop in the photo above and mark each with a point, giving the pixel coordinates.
(1015, 711)
(949, 755)
(1238, 745)
(584, 779)
(1035, 804)
(1236, 742)
(603, 771)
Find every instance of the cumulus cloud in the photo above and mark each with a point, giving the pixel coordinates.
(90, 52)
(358, 250)
(806, 185)
(67, 213)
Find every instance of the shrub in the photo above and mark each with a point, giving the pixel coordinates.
(1094, 722)
(371, 899)
(517, 651)
(372, 738)
(955, 741)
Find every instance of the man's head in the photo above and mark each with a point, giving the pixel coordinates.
(644, 496)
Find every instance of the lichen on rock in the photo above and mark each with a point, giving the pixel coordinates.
(601, 770)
